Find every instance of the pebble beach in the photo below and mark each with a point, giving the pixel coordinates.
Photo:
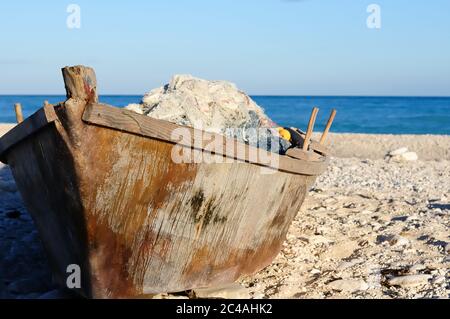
(373, 226)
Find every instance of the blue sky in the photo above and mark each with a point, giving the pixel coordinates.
(273, 47)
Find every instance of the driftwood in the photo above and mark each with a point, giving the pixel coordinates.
(310, 129)
(327, 127)
(105, 195)
(18, 110)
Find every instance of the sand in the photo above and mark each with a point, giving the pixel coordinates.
(370, 228)
(5, 128)
(371, 146)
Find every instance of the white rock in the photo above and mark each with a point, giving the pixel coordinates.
(348, 285)
(315, 271)
(401, 156)
(398, 151)
(233, 291)
(410, 156)
(409, 281)
(416, 268)
(398, 241)
(439, 280)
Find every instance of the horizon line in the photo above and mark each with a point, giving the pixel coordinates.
(259, 95)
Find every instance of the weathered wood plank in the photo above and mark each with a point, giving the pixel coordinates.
(302, 155)
(310, 129)
(31, 125)
(132, 122)
(18, 110)
(81, 83)
(328, 126)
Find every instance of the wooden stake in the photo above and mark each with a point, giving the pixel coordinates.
(18, 110)
(327, 128)
(310, 129)
(81, 83)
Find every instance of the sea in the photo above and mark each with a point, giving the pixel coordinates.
(377, 115)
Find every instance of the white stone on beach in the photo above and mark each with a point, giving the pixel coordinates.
(402, 155)
(348, 285)
(405, 157)
(409, 280)
(398, 241)
(409, 156)
(399, 151)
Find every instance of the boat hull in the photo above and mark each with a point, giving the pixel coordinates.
(139, 224)
(106, 196)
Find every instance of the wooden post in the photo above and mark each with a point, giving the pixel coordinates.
(310, 129)
(327, 128)
(18, 110)
(80, 83)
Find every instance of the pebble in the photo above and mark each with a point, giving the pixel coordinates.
(398, 151)
(405, 157)
(410, 280)
(439, 280)
(348, 285)
(315, 271)
(399, 241)
(232, 291)
(416, 268)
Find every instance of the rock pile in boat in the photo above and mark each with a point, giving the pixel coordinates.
(214, 106)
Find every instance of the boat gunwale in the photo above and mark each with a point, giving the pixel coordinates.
(43, 117)
(103, 115)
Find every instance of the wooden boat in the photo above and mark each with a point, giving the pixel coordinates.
(104, 193)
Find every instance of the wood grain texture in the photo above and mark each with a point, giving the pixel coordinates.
(310, 129)
(300, 154)
(30, 126)
(44, 171)
(18, 111)
(170, 227)
(327, 127)
(81, 83)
